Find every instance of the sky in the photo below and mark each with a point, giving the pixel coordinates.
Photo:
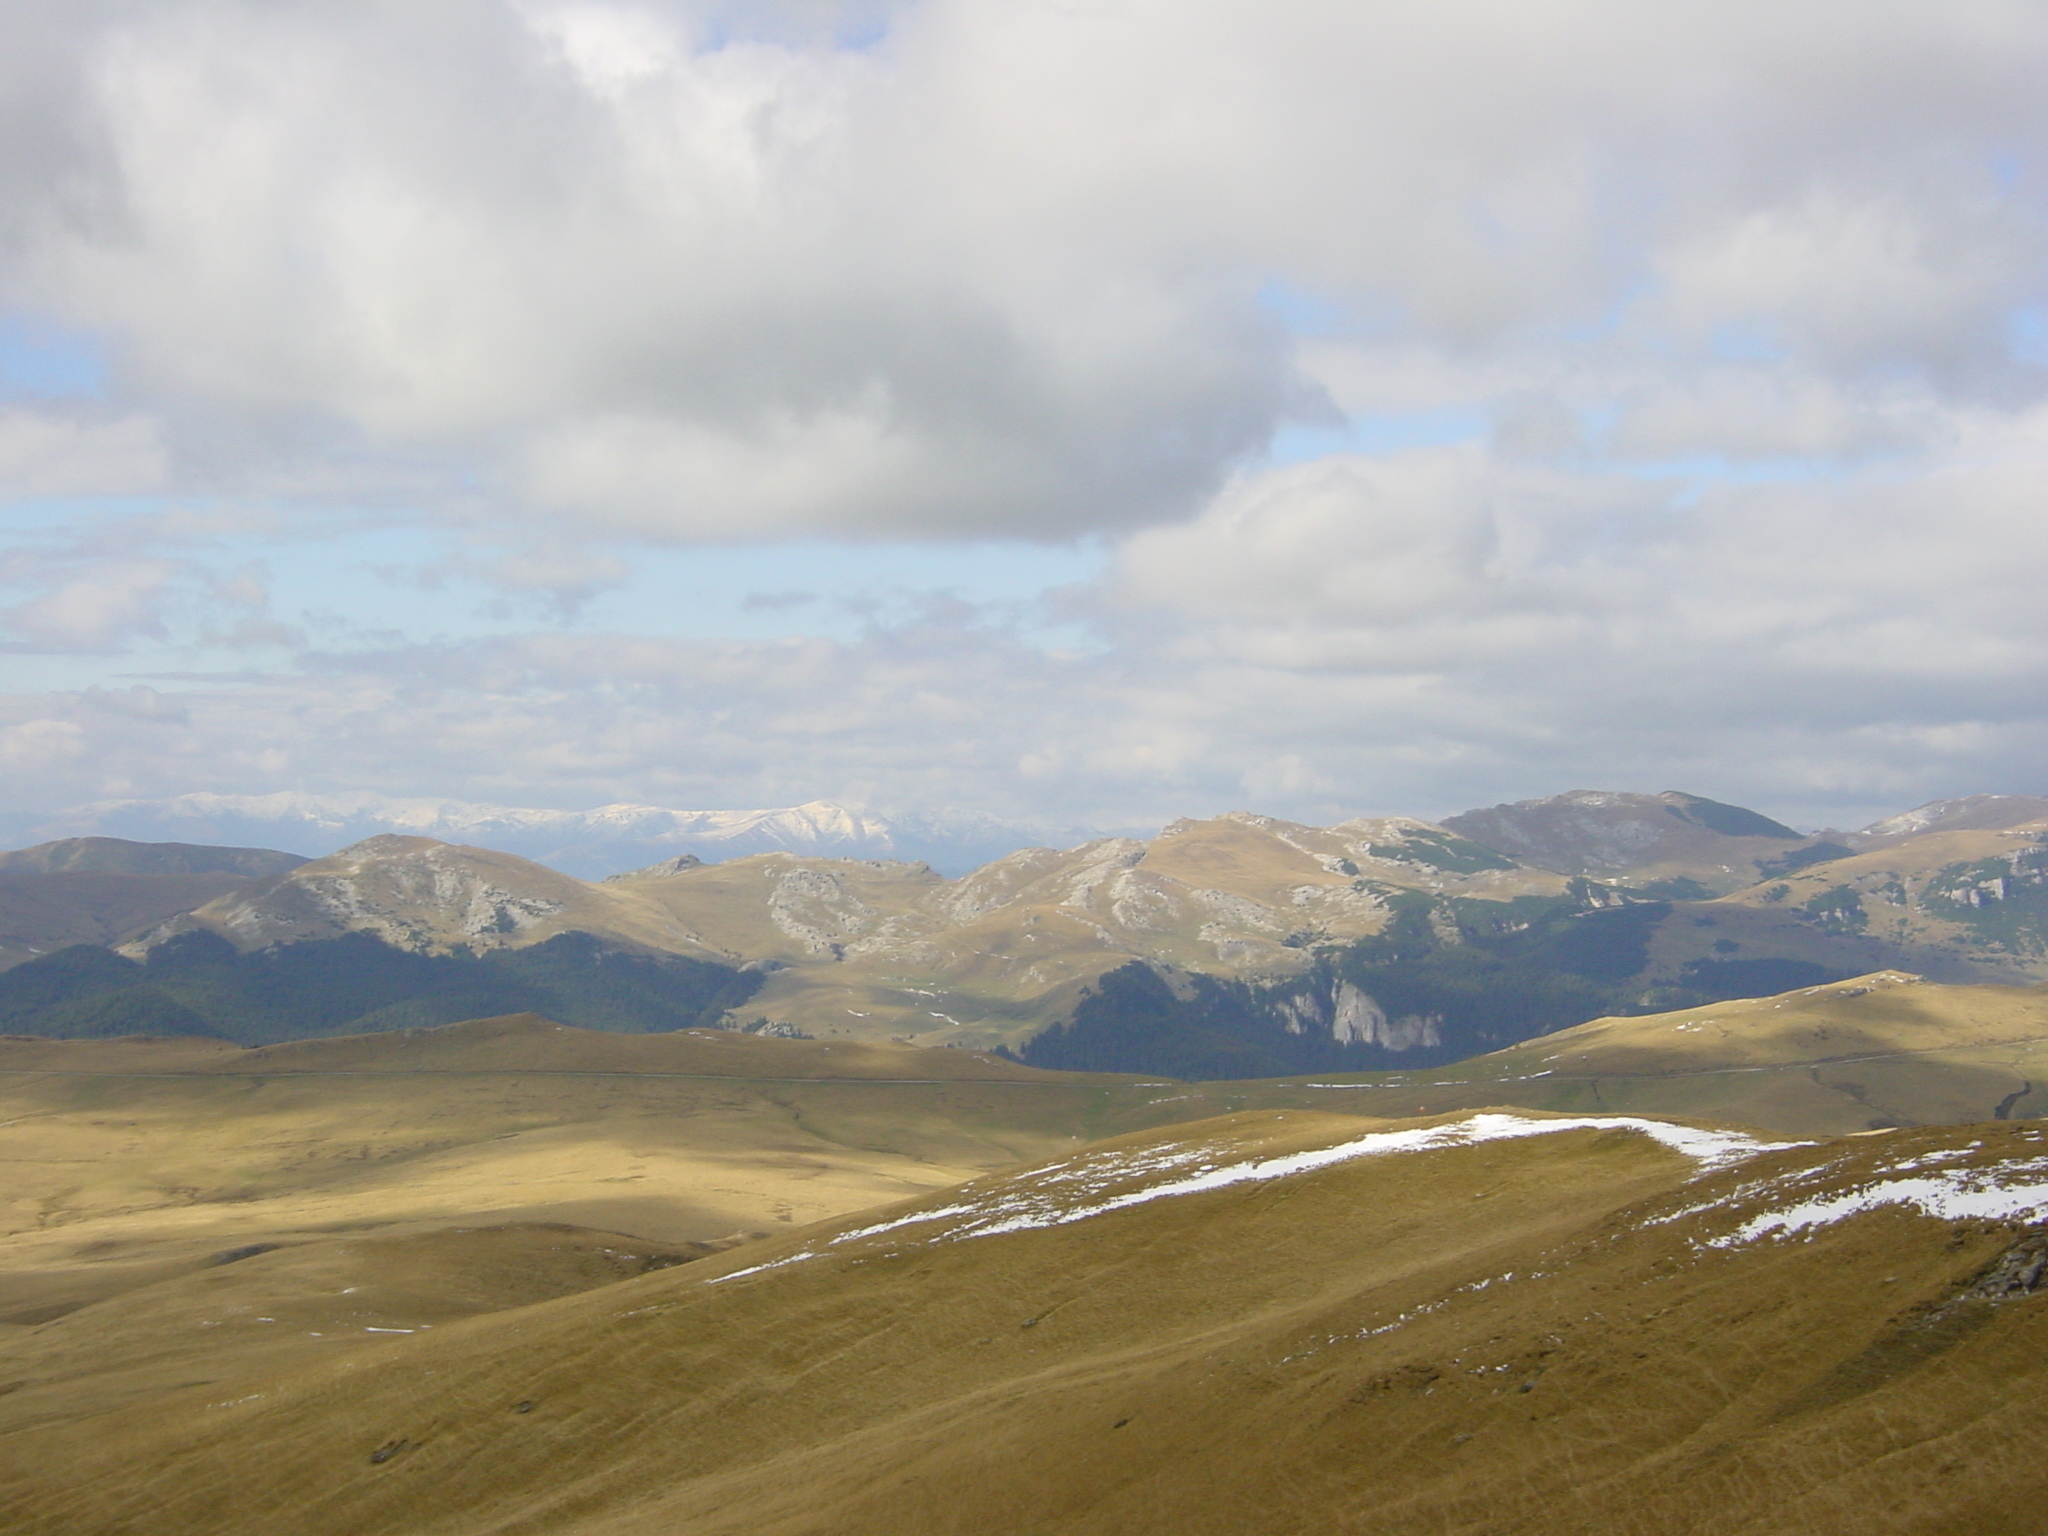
(1079, 411)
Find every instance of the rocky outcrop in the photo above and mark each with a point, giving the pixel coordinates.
(1354, 1017)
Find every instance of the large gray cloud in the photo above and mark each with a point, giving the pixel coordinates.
(698, 272)
(1750, 300)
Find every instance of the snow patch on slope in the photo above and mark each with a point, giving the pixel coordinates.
(1953, 1185)
(1078, 1188)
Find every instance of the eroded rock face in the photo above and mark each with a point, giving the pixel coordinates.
(2019, 1271)
(1351, 1016)
(421, 895)
(817, 909)
(412, 897)
(1360, 1020)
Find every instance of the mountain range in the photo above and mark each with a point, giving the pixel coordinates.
(1231, 947)
(590, 844)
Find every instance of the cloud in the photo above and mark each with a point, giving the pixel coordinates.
(52, 453)
(106, 588)
(1412, 634)
(1583, 618)
(973, 267)
(98, 607)
(1662, 361)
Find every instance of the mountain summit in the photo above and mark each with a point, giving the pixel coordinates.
(1608, 834)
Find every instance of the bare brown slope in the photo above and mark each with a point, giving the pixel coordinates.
(377, 1183)
(1515, 1337)
(1958, 905)
(527, 1042)
(1970, 813)
(1865, 1016)
(44, 911)
(232, 1315)
(104, 890)
(419, 894)
(1643, 838)
(121, 856)
(890, 949)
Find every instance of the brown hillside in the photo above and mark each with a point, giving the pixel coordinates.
(1970, 813)
(1642, 839)
(1884, 1050)
(1267, 1324)
(105, 890)
(421, 894)
(121, 1145)
(1958, 905)
(41, 911)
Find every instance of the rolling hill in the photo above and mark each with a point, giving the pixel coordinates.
(1870, 1053)
(513, 1118)
(1971, 813)
(401, 1180)
(1271, 1322)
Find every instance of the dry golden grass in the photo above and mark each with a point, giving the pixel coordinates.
(690, 1136)
(181, 1323)
(127, 1167)
(1887, 1049)
(473, 1280)
(1522, 1338)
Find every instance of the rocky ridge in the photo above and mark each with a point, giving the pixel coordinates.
(881, 948)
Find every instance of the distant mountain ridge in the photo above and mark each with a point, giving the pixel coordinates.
(1971, 813)
(104, 890)
(591, 844)
(121, 856)
(1232, 946)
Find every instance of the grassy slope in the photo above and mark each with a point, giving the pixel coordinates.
(178, 1323)
(1880, 1050)
(1513, 1338)
(698, 1135)
(685, 1136)
(132, 1165)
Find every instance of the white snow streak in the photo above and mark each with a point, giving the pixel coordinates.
(1076, 1189)
(2009, 1191)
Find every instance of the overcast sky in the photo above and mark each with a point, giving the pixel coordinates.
(1089, 410)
